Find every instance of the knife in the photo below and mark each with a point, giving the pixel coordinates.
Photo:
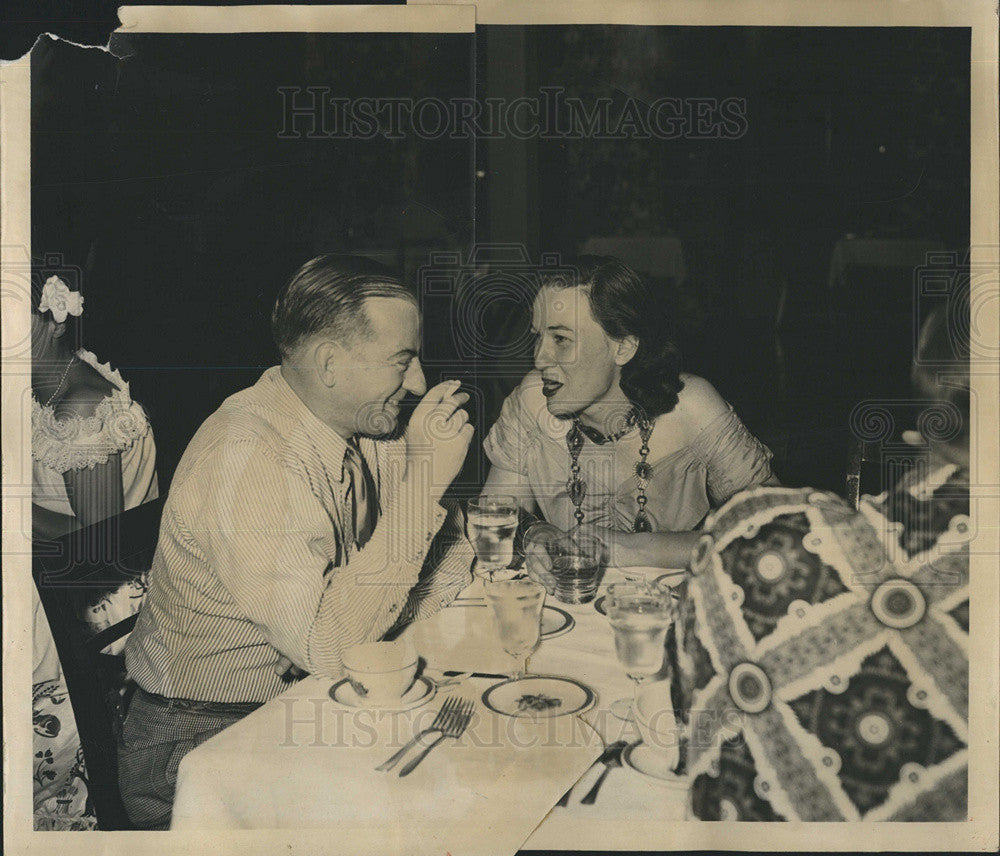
(609, 752)
(611, 758)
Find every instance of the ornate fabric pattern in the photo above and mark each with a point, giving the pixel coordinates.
(115, 606)
(78, 442)
(837, 643)
(58, 770)
(922, 509)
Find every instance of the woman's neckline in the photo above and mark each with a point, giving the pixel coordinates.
(119, 387)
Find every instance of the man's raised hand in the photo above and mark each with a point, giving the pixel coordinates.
(439, 432)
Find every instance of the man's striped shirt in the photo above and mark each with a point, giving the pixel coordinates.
(254, 559)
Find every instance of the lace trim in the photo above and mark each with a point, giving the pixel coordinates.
(77, 442)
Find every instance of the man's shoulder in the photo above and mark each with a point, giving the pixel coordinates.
(244, 419)
(248, 416)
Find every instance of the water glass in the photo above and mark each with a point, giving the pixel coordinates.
(517, 607)
(578, 569)
(492, 522)
(640, 616)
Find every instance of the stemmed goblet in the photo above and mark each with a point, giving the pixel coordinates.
(517, 605)
(640, 616)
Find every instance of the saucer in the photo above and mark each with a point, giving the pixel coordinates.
(538, 697)
(670, 579)
(639, 757)
(422, 691)
(555, 622)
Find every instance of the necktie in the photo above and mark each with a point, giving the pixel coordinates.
(361, 495)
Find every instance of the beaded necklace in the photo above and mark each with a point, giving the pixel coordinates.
(62, 380)
(577, 487)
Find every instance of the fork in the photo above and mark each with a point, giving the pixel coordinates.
(443, 715)
(455, 725)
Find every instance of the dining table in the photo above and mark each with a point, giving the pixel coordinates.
(307, 759)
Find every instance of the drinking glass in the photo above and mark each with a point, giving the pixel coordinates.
(517, 606)
(640, 616)
(578, 569)
(492, 524)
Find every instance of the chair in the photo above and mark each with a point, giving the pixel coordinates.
(863, 470)
(71, 573)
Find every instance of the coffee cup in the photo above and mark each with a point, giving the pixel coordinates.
(380, 672)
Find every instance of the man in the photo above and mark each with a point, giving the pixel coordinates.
(294, 529)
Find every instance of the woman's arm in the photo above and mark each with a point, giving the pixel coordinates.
(96, 494)
(648, 549)
(735, 459)
(509, 483)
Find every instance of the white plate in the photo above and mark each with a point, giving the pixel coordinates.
(670, 578)
(653, 764)
(422, 691)
(539, 696)
(555, 622)
(635, 572)
(648, 573)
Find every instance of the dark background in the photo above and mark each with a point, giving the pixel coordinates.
(856, 145)
(162, 178)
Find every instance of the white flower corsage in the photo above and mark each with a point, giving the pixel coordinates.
(59, 300)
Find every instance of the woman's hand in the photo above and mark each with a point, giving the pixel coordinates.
(543, 542)
(621, 549)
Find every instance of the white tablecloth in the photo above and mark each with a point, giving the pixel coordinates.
(302, 761)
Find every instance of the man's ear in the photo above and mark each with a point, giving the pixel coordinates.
(325, 356)
(625, 349)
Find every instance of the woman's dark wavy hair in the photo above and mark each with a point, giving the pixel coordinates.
(624, 305)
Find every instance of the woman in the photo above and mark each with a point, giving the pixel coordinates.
(825, 650)
(92, 450)
(93, 456)
(607, 433)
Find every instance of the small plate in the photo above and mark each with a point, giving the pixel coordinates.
(555, 622)
(539, 697)
(670, 579)
(638, 572)
(639, 757)
(422, 691)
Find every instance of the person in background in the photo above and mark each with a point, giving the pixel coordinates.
(608, 434)
(825, 651)
(92, 449)
(298, 523)
(93, 456)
